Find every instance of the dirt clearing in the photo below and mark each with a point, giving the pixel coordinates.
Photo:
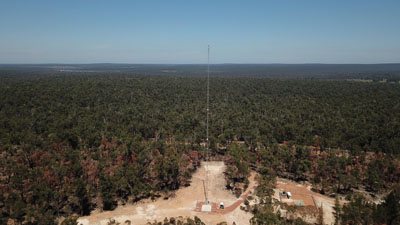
(303, 193)
(184, 203)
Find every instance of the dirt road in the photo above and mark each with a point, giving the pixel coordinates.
(184, 204)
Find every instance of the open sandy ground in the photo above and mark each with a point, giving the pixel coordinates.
(184, 203)
(303, 192)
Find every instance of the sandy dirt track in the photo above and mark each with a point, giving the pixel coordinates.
(184, 204)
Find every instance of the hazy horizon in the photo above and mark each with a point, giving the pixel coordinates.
(178, 32)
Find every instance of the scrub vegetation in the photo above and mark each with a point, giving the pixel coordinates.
(72, 142)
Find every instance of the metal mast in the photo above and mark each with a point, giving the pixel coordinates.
(208, 109)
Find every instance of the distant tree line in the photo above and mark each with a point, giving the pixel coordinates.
(82, 109)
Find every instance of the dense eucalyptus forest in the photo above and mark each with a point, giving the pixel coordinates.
(73, 142)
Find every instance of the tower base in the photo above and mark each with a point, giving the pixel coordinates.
(206, 208)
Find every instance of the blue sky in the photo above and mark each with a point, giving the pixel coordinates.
(168, 31)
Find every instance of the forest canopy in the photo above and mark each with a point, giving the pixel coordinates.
(82, 109)
(69, 139)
